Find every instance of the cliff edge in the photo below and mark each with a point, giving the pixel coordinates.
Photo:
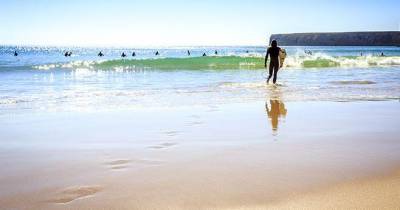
(377, 38)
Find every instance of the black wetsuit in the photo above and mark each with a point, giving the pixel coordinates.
(273, 52)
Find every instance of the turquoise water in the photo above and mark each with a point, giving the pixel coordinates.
(42, 79)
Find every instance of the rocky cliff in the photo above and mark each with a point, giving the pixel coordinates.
(381, 38)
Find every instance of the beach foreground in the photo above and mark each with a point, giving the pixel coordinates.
(259, 155)
(377, 193)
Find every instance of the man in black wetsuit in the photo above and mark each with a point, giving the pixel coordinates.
(273, 52)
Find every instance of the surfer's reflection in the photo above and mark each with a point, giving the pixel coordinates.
(276, 112)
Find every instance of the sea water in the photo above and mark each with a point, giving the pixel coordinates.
(42, 79)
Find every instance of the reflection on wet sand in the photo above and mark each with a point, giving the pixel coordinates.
(277, 111)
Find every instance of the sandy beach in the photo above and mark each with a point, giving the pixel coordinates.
(374, 193)
(234, 156)
(199, 105)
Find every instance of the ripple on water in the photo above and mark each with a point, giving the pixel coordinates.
(353, 82)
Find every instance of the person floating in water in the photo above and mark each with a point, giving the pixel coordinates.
(274, 65)
(15, 53)
(157, 53)
(66, 54)
(216, 52)
(70, 53)
(100, 54)
(133, 54)
(382, 54)
(204, 54)
(188, 53)
(123, 55)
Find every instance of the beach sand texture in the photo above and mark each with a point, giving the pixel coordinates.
(341, 157)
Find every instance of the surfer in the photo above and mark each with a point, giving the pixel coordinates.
(216, 52)
(100, 54)
(133, 54)
(15, 53)
(157, 53)
(188, 53)
(204, 54)
(123, 55)
(308, 52)
(66, 54)
(382, 54)
(274, 66)
(70, 53)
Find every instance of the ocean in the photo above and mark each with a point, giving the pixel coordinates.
(175, 131)
(42, 79)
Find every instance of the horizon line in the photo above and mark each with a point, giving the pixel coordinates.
(131, 46)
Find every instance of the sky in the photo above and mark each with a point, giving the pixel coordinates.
(184, 22)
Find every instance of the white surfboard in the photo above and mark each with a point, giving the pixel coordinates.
(282, 57)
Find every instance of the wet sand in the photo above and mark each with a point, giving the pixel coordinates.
(273, 155)
(374, 193)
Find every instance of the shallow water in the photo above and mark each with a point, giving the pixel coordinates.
(42, 79)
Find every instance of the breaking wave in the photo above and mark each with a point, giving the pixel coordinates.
(226, 62)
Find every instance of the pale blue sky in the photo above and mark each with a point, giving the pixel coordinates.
(184, 22)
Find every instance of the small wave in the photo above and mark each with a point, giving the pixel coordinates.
(353, 82)
(70, 65)
(11, 101)
(320, 60)
(195, 63)
(226, 62)
(242, 85)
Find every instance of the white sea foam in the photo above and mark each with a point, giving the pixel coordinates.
(298, 60)
(324, 60)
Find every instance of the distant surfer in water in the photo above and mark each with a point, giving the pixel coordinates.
(133, 54)
(216, 52)
(157, 53)
(204, 54)
(123, 55)
(188, 53)
(274, 65)
(100, 54)
(15, 53)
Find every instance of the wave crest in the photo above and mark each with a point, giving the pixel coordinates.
(227, 62)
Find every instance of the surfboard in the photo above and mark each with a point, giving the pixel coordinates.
(282, 57)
